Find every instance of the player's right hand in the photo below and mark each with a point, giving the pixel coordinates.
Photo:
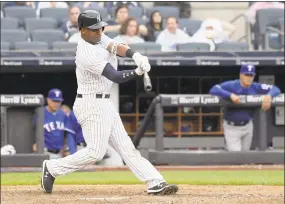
(235, 99)
(145, 66)
(140, 60)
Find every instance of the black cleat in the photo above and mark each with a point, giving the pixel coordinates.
(47, 179)
(163, 189)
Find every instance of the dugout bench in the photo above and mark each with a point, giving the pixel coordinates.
(175, 151)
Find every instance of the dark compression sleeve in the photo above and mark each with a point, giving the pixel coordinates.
(118, 76)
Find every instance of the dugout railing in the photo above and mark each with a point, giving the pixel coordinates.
(181, 156)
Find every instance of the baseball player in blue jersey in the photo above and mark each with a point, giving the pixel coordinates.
(238, 125)
(74, 141)
(56, 124)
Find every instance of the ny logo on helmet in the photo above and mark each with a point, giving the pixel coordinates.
(98, 18)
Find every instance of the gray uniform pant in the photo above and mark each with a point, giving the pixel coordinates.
(238, 138)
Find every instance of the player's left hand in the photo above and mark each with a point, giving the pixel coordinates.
(266, 104)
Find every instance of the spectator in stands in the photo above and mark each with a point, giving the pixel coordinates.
(121, 15)
(251, 13)
(33, 4)
(129, 32)
(71, 26)
(154, 25)
(110, 5)
(211, 32)
(51, 4)
(171, 36)
(87, 5)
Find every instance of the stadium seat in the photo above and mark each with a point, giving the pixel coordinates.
(57, 13)
(63, 45)
(142, 21)
(192, 47)
(112, 34)
(232, 46)
(281, 27)
(20, 12)
(5, 45)
(13, 35)
(32, 24)
(30, 46)
(9, 23)
(189, 26)
(267, 18)
(146, 47)
(156, 33)
(138, 47)
(136, 12)
(103, 12)
(165, 11)
(47, 35)
(281, 24)
(152, 47)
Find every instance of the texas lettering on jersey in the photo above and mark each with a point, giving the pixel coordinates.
(57, 125)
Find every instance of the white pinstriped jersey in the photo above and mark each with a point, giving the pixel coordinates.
(90, 61)
(100, 121)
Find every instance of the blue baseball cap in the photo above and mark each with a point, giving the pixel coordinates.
(247, 69)
(55, 95)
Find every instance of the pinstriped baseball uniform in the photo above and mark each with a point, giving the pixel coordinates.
(100, 122)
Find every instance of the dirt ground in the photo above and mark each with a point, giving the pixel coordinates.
(136, 194)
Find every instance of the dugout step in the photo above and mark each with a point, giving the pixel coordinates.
(23, 160)
(176, 157)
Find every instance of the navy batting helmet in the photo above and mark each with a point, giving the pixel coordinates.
(91, 19)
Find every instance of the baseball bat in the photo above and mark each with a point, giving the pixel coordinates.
(147, 82)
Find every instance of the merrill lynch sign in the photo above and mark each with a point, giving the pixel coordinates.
(214, 100)
(25, 100)
(198, 100)
(259, 99)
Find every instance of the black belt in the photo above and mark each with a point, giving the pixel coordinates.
(97, 95)
(243, 123)
(53, 151)
(82, 144)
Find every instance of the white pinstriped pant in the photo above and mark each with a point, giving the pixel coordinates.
(101, 124)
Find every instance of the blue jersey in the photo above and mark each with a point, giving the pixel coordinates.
(225, 90)
(55, 125)
(77, 137)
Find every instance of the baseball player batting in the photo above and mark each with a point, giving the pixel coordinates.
(96, 70)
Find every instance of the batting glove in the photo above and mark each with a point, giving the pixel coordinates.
(144, 67)
(139, 59)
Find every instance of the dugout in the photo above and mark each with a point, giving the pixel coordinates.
(20, 128)
(164, 69)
